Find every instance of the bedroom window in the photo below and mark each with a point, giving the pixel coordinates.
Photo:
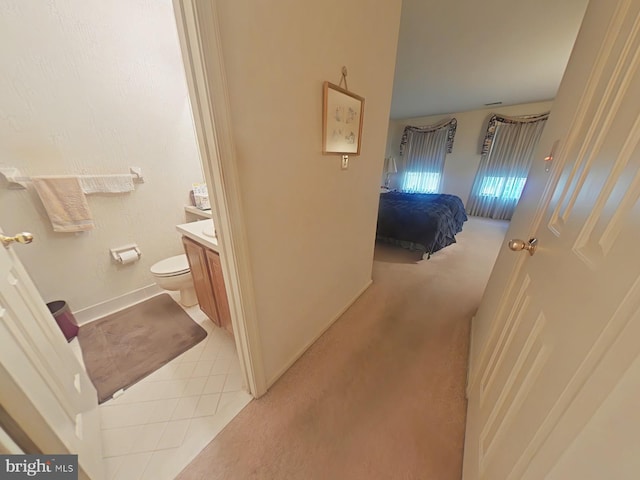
(423, 151)
(507, 187)
(507, 153)
(422, 182)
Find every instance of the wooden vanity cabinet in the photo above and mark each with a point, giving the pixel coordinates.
(209, 283)
(219, 291)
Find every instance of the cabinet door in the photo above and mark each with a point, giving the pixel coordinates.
(220, 293)
(201, 279)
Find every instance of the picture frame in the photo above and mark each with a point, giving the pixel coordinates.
(342, 117)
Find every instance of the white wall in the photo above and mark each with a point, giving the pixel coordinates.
(311, 226)
(462, 163)
(90, 87)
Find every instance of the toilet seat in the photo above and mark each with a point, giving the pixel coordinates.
(171, 267)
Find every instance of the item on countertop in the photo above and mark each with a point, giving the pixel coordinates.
(201, 196)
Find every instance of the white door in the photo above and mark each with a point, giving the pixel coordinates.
(44, 389)
(557, 333)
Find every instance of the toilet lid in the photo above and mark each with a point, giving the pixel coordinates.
(171, 266)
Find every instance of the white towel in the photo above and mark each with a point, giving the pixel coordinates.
(14, 178)
(106, 183)
(64, 202)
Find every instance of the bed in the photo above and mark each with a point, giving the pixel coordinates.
(420, 221)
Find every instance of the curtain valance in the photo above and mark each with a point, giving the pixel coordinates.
(451, 124)
(495, 119)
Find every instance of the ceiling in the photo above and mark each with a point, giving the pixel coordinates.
(455, 56)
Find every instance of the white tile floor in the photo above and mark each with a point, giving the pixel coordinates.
(157, 426)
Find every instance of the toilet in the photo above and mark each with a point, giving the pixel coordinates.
(173, 274)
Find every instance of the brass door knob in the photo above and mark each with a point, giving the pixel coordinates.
(517, 245)
(24, 237)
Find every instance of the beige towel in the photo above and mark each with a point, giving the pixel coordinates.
(65, 203)
(107, 183)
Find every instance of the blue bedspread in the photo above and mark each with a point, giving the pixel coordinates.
(420, 221)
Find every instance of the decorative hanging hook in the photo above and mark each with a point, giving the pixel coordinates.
(344, 78)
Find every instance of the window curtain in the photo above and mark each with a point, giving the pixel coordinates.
(507, 153)
(423, 150)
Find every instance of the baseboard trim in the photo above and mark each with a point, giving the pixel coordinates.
(295, 357)
(99, 310)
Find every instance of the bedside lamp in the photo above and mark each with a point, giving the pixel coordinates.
(390, 168)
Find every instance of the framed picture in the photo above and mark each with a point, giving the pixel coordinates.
(341, 121)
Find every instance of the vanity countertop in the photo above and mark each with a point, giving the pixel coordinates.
(197, 212)
(195, 231)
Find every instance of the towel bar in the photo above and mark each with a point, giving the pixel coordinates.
(16, 181)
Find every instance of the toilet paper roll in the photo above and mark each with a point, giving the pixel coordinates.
(128, 256)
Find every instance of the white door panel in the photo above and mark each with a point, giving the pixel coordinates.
(44, 387)
(612, 429)
(549, 323)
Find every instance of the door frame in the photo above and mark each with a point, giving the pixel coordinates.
(199, 34)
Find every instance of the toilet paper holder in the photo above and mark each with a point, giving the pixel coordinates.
(117, 253)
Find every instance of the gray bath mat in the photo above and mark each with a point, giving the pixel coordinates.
(124, 347)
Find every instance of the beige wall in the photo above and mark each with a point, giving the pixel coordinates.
(461, 165)
(89, 88)
(311, 225)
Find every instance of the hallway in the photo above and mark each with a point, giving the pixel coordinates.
(381, 393)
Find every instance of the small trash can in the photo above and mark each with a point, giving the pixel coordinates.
(64, 318)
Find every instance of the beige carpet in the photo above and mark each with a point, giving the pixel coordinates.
(381, 394)
(124, 347)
